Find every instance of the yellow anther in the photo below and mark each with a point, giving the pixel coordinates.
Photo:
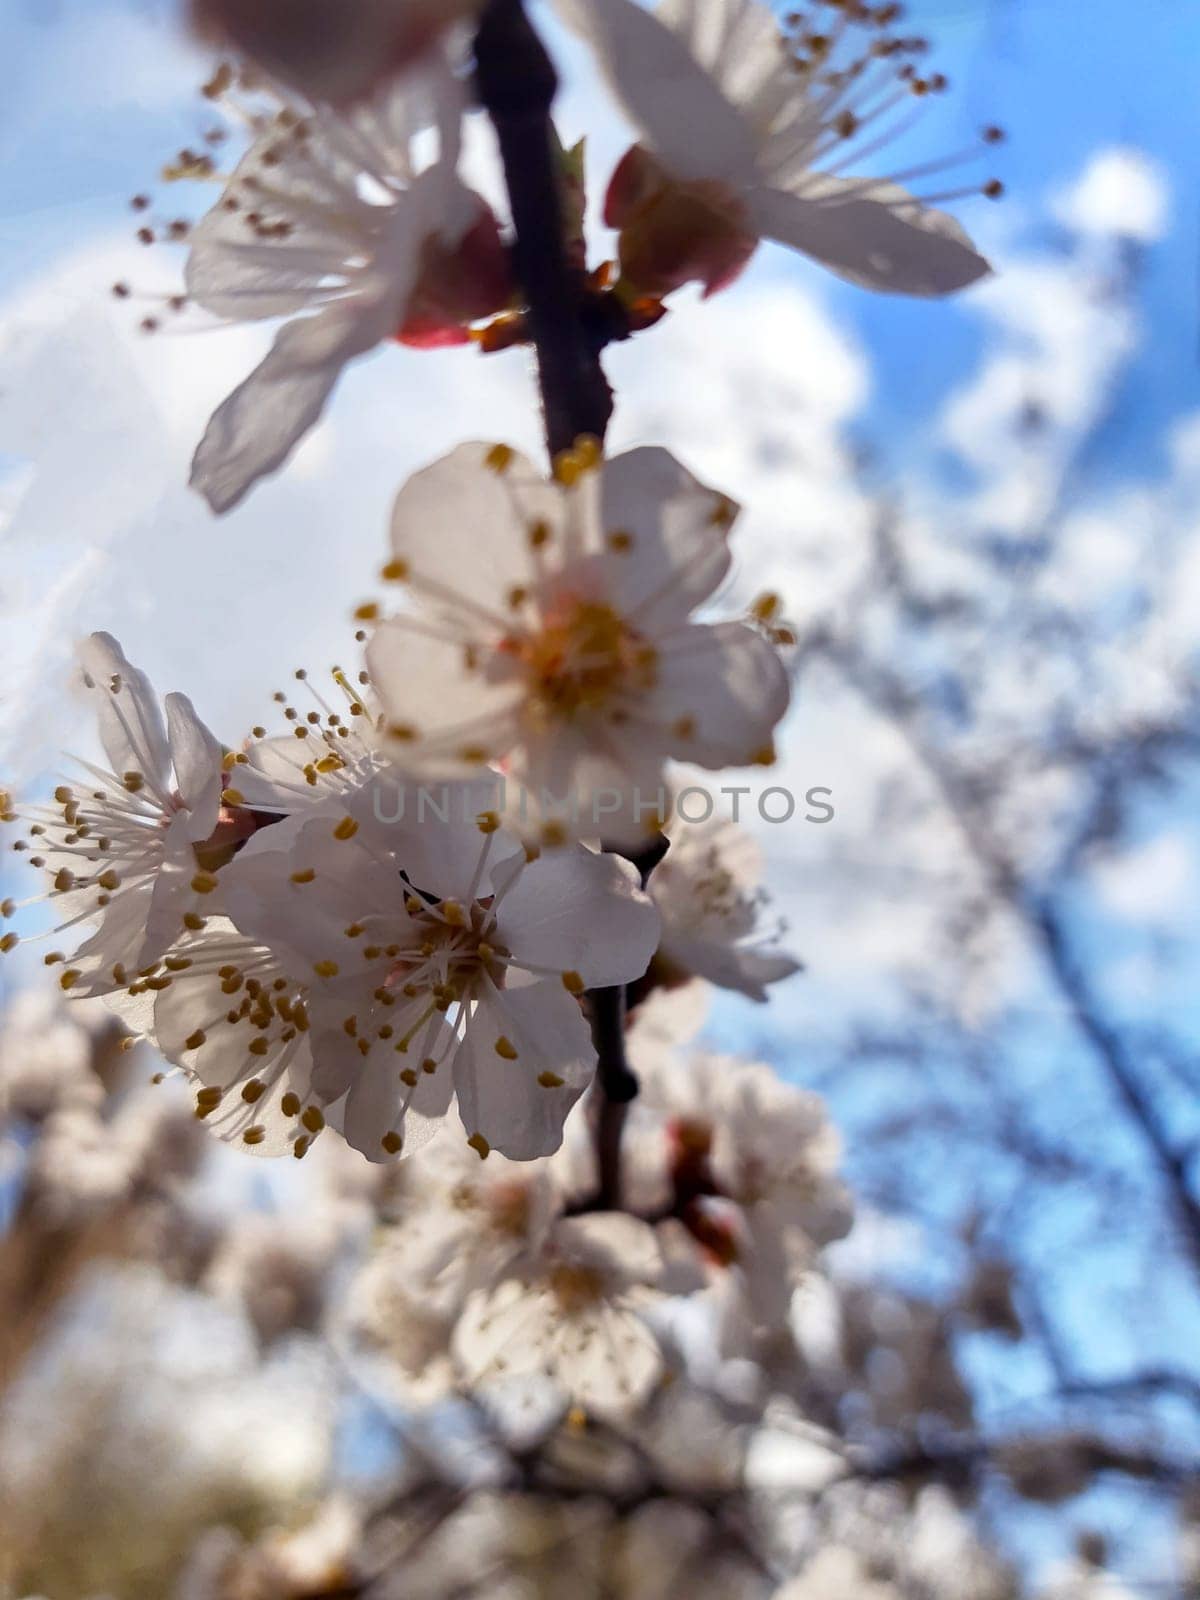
(392, 1143)
(577, 1419)
(204, 883)
(253, 1091)
(684, 728)
(454, 913)
(313, 1119)
(554, 835)
(550, 1080)
(7, 908)
(354, 931)
(429, 1065)
(69, 978)
(195, 1040)
(133, 782)
(62, 794)
(396, 571)
(346, 828)
(500, 457)
(621, 541)
(177, 963)
(589, 451)
(306, 876)
(765, 757)
(254, 1135)
(9, 942)
(193, 921)
(474, 753)
(64, 879)
(505, 1048)
(368, 612)
(300, 1148)
(326, 969)
(259, 1046)
(109, 880)
(409, 1077)
(488, 821)
(766, 607)
(479, 1144)
(56, 958)
(539, 534)
(573, 983)
(229, 761)
(290, 1104)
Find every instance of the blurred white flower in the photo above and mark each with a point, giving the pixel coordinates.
(709, 895)
(131, 854)
(745, 136)
(551, 634)
(335, 50)
(331, 222)
(574, 1312)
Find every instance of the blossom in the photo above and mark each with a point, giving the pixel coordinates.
(133, 849)
(329, 221)
(709, 896)
(745, 135)
(550, 632)
(573, 1312)
(441, 961)
(335, 50)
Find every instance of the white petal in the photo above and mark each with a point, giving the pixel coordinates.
(876, 236)
(678, 107)
(375, 1106)
(502, 1098)
(196, 759)
(677, 551)
(745, 969)
(131, 721)
(574, 911)
(730, 683)
(451, 718)
(173, 893)
(464, 525)
(255, 430)
(432, 831)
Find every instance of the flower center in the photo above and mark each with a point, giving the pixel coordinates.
(575, 1287)
(585, 658)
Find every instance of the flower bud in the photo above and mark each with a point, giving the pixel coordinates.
(675, 232)
(457, 285)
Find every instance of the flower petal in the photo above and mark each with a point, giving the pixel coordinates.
(665, 539)
(575, 911)
(255, 430)
(465, 526)
(196, 759)
(499, 1095)
(873, 234)
(444, 715)
(676, 104)
(727, 686)
(131, 721)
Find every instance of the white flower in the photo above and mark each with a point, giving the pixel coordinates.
(551, 633)
(131, 849)
(745, 136)
(335, 50)
(328, 221)
(441, 961)
(708, 893)
(574, 1313)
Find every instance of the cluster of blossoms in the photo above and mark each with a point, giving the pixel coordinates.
(309, 951)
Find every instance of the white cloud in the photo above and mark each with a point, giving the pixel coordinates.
(1121, 191)
(1152, 883)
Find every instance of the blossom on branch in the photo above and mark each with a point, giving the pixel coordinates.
(332, 222)
(745, 134)
(549, 632)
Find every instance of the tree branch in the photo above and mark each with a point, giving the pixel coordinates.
(517, 83)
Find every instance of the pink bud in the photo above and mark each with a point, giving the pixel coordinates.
(458, 284)
(332, 50)
(674, 232)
